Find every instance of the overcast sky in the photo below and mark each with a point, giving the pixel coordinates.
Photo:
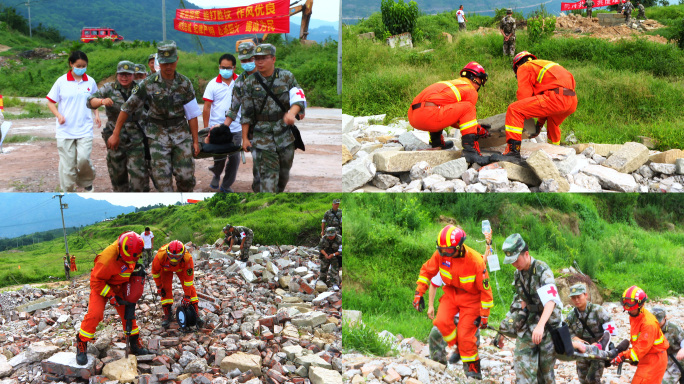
(144, 199)
(328, 10)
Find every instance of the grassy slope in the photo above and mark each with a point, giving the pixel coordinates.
(620, 97)
(286, 219)
(618, 240)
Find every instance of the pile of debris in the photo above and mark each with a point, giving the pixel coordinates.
(396, 158)
(413, 365)
(577, 24)
(267, 320)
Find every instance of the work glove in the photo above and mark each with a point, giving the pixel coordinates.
(418, 302)
(537, 131)
(616, 361)
(483, 131)
(117, 301)
(482, 322)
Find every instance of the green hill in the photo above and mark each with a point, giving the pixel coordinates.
(618, 240)
(288, 218)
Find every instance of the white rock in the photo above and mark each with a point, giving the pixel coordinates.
(459, 185)
(431, 180)
(443, 186)
(420, 170)
(385, 181)
(586, 182)
(612, 179)
(477, 188)
(470, 176)
(414, 186)
(347, 123)
(665, 169)
(451, 169)
(351, 143)
(357, 173)
(496, 177)
(414, 140)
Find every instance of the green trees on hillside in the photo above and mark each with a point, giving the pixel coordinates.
(16, 22)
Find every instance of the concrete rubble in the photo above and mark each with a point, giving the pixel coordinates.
(412, 364)
(392, 158)
(267, 321)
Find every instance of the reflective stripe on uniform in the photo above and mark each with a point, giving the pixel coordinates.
(135, 331)
(543, 71)
(660, 340)
(105, 290)
(634, 337)
(193, 299)
(125, 274)
(467, 125)
(555, 142)
(155, 276)
(423, 279)
(445, 273)
(450, 336)
(467, 359)
(86, 334)
(167, 301)
(518, 130)
(466, 279)
(633, 356)
(454, 89)
(188, 283)
(487, 304)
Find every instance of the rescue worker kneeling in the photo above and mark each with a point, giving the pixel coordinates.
(113, 268)
(649, 345)
(452, 103)
(173, 258)
(466, 292)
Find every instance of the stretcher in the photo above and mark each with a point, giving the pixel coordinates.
(212, 150)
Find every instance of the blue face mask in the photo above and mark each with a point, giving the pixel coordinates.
(79, 71)
(249, 67)
(226, 73)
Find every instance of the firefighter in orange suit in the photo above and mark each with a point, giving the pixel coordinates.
(545, 91)
(73, 263)
(113, 268)
(452, 103)
(649, 345)
(466, 292)
(173, 258)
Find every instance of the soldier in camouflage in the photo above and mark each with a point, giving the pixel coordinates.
(242, 235)
(627, 9)
(333, 218)
(600, 325)
(171, 123)
(534, 351)
(641, 15)
(273, 140)
(330, 247)
(246, 57)
(507, 30)
(150, 64)
(589, 4)
(675, 335)
(139, 73)
(128, 160)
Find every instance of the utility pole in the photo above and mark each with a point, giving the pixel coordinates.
(339, 54)
(28, 4)
(62, 207)
(163, 19)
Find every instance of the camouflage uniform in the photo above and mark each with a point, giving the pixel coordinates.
(508, 26)
(674, 335)
(330, 269)
(273, 141)
(590, 5)
(594, 315)
(641, 15)
(333, 219)
(245, 51)
(627, 10)
(170, 139)
(237, 235)
(129, 158)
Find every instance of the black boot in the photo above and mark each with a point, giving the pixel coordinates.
(454, 358)
(166, 320)
(471, 150)
(472, 369)
(511, 154)
(604, 340)
(437, 141)
(199, 322)
(81, 351)
(137, 346)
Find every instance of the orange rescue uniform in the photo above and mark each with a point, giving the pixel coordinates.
(162, 273)
(542, 93)
(649, 348)
(73, 264)
(106, 280)
(455, 100)
(466, 291)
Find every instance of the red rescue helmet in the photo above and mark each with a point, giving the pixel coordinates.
(473, 70)
(175, 251)
(450, 241)
(633, 298)
(518, 59)
(130, 246)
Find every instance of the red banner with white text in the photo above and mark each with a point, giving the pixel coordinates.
(267, 9)
(279, 25)
(580, 4)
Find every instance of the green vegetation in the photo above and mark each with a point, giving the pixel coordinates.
(364, 339)
(289, 218)
(620, 98)
(37, 237)
(11, 20)
(399, 17)
(618, 240)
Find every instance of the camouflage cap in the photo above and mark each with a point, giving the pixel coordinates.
(577, 289)
(246, 50)
(264, 50)
(125, 67)
(336, 201)
(166, 52)
(509, 10)
(227, 227)
(140, 68)
(512, 246)
(150, 57)
(659, 313)
(330, 231)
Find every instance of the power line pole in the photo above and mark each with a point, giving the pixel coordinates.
(163, 19)
(28, 4)
(62, 207)
(339, 54)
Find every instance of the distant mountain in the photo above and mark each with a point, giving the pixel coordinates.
(138, 20)
(24, 213)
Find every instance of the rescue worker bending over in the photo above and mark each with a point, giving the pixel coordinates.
(466, 292)
(113, 268)
(649, 346)
(173, 258)
(675, 336)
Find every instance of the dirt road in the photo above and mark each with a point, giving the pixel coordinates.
(32, 166)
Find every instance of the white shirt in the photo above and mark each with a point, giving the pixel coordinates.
(71, 97)
(460, 15)
(147, 239)
(221, 96)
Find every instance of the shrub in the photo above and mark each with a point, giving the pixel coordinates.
(540, 28)
(399, 17)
